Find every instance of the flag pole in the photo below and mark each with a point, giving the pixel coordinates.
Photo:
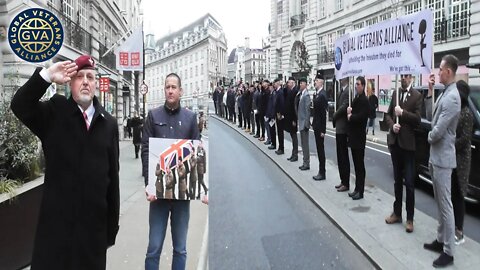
(350, 93)
(396, 95)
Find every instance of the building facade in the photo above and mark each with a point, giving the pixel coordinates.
(90, 27)
(319, 22)
(255, 68)
(197, 53)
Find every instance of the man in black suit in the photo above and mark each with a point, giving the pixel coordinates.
(401, 143)
(319, 124)
(279, 114)
(270, 118)
(340, 123)
(291, 117)
(357, 116)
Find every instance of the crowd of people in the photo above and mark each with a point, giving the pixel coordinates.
(267, 110)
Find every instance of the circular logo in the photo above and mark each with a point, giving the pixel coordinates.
(338, 58)
(35, 35)
(143, 89)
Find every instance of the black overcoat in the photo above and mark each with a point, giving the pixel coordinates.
(357, 135)
(79, 210)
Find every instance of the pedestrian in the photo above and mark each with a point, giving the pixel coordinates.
(372, 114)
(79, 210)
(279, 115)
(442, 158)
(201, 169)
(262, 108)
(357, 116)
(215, 100)
(320, 106)
(340, 123)
(463, 151)
(256, 106)
(302, 109)
(136, 124)
(401, 144)
(125, 128)
(291, 117)
(201, 122)
(174, 122)
(271, 116)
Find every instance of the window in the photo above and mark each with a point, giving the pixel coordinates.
(371, 21)
(196, 71)
(459, 21)
(304, 8)
(385, 16)
(437, 6)
(201, 69)
(338, 5)
(358, 26)
(67, 6)
(191, 72)
(82, 13)
(279, 6)
(321, 8)
(413, 7)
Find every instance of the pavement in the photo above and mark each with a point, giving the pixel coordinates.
(128, 253)
(363, 221)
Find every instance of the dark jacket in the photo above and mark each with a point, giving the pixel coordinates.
(463, 148)
(263, 105)
(247, 102)
(162, 122)
(290, 114)
(320, 106)
(280, 101)
(409, 120)
(137, 125)
(357, 136)
(230, 99)
(79, 210)
(340, 115)
(270, 113)
(215, 96)
(373, 100)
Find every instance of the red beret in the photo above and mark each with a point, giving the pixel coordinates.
(85, 62)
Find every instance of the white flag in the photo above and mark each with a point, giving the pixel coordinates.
(129, 55)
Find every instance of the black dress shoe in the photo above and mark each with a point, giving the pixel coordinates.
(279, 152)
(267, 142)
(351, 194)
(434, 246)
(343, 188)
(443, 261)
(271, 147)
(357, 196)
(304, 168)
(294, 159)
(319, 177)
(256, 136)
(339, 186)
(289, 158)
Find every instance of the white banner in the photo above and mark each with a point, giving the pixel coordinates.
(397, 46)
(129, 55)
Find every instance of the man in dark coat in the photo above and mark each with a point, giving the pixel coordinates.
(255, 107)
(270, 114)
(137, 125)
(291, 117)
(279, 115)
(215, 100)
(262, 108)
(340, 122)
(357, 116)
(173, 122)
(320, 106)
(79, 211)
(401, 143)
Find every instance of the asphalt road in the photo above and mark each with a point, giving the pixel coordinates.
(260, 220)
(379, 173)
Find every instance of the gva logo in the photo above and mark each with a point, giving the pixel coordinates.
(35, 35)
(338, 58)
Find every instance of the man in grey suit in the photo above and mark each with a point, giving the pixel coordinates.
(442, 158)
(302, 107)
(340, 123)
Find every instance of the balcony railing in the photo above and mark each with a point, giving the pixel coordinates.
(109, 59)
(448, 29)
(74, 34)
(297, 21)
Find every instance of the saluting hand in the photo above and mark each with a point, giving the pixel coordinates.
(62, 72)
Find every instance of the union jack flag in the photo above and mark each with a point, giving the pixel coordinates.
(180, 150)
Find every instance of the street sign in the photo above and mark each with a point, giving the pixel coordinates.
(104, 84)
(144, 89)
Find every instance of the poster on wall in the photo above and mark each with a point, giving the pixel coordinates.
(177, 169)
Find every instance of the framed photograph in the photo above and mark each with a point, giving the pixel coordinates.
(177, 169)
